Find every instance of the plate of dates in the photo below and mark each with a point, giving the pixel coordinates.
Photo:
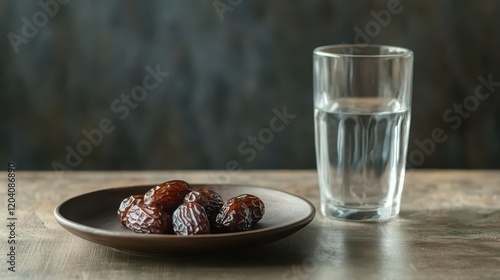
(178, 218)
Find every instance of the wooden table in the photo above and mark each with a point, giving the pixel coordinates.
(449, 228)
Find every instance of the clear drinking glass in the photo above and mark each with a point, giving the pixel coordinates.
(362, 105)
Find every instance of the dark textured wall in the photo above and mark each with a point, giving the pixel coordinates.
(227, 70)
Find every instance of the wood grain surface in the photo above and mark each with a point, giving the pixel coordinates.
(449, 228)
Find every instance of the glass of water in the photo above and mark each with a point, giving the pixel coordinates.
(362, 106)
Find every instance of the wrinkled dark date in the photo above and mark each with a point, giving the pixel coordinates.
(168, 195)
(240, 213)
(208, 199)
(125, 206)
(148, 219)
(190, 219)
(234, 216)
(255, 205)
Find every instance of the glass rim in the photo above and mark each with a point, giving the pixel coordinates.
(336, 51)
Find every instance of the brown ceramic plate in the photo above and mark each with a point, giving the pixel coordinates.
(92, 216)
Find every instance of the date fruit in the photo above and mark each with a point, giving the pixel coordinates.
(125, 206)
(168, 195)
(174, 207)
(255, 205)
(148, 219)
(240, 213)
(190, 219)
(208, 199)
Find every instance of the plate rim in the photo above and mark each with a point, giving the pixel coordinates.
(67, 224)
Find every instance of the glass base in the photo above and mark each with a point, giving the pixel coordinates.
(360, 215)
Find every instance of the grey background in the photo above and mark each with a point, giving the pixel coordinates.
(226, 76)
